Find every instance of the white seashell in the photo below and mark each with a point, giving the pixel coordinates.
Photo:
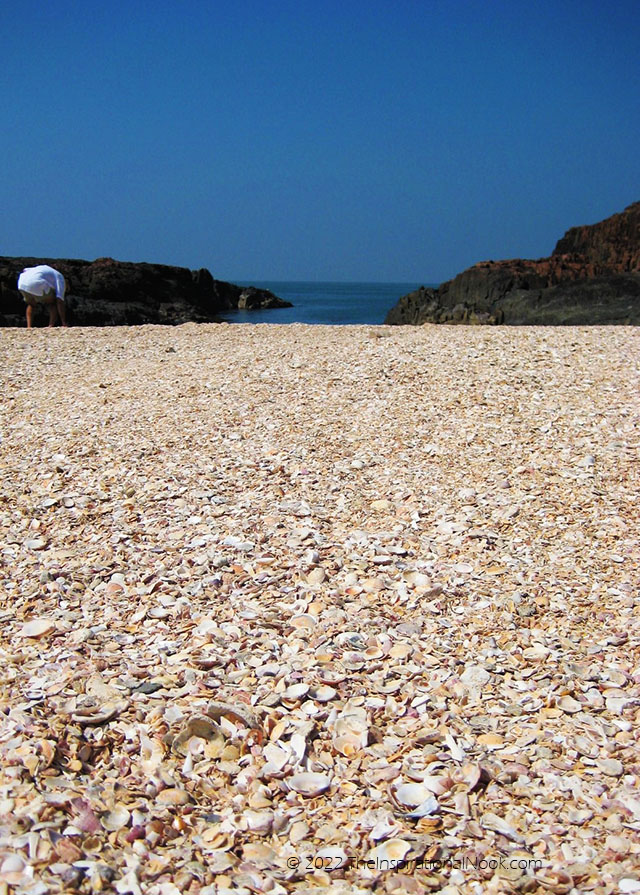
(426, 808)
(116, 819)
(309, 784)
(347, 745)
(629, 885)
(410, 795)
(612, 767)
(331, 857)
(493, 822)
(38, 627)
(295, 692)
(218, 861)
(276, 756)
(259, 821)
(12, 864)
(298, 745)
(323, 693)
(384, 829)
(303, 622)
(391, 850)
(569, 704)
(475, 677)
(316, 576)
(417, 579)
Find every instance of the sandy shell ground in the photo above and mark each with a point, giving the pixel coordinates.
(285, 609)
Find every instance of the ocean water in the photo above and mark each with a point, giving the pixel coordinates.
(328, 303)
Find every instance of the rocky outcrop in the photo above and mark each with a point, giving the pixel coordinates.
(593, 276)
(105, 292)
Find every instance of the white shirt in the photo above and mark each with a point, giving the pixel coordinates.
(41, 279)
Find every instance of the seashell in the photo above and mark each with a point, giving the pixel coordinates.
(238, 712)
(429, 806)
(295, 692)
(557, 881)
(400, 651)
(158, 612)
(298, 831)
(173, 796)
(303, 622)
(417, 579)
(347, 745)
(352, 640)
(628, 885)
(200, 726)
(277, 757)
(258, 853)
(392, 850)
(323, 693)
(330, 857)
(410, 795)
(469, 774)
(35, 544)
(537, 652)
(585, 747)
(491, 741)
(612, 767)
(384, 829)
(116, 819)
(37, 627)
(491, 821)
(218, 861)
(569, 704)
(101, 714)
(475, 677)
(309, 784)
(381, 506)
(316, 576)
(298, 746)
(12, 864)
(259, 821)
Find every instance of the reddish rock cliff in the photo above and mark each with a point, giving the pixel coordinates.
(593, 276)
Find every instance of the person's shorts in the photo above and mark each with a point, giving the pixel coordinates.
(45, 299)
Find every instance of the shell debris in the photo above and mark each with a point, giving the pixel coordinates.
(299, 593)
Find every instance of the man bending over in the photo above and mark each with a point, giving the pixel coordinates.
(43, 285)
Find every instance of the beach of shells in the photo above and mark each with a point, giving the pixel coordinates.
(304, 609)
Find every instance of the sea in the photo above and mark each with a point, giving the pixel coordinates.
(332, 304)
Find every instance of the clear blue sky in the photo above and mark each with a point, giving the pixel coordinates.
(398, 141)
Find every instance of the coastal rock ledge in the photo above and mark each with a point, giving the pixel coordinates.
(592, 277)
(106, 292)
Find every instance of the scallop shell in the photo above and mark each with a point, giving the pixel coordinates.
(323, 693)
(410, 795)
(309, 784)
(295, 692)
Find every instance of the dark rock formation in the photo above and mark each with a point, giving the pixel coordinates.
(105, 292)
(593, 276)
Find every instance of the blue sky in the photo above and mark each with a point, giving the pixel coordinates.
(397, 141)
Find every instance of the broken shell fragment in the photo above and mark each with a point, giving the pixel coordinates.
(199, 726)
(116, 819)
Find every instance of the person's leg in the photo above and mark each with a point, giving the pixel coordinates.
(30, 309)
(50, 302)
(62, 311)
(30, 302)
